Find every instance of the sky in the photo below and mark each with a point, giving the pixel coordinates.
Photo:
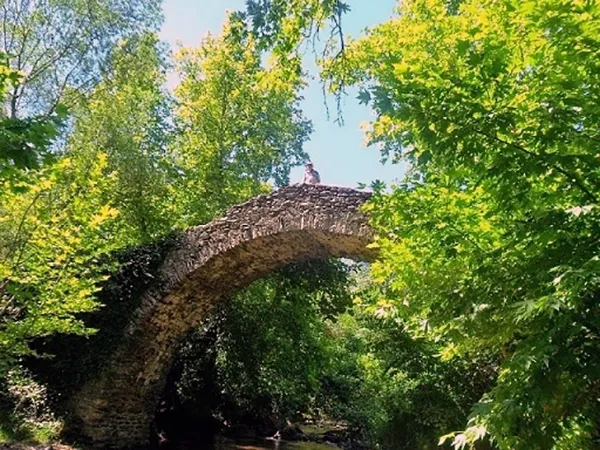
(338, 152)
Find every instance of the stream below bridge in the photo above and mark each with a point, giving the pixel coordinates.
(253, 444)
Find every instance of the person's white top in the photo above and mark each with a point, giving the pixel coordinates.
(311, 176)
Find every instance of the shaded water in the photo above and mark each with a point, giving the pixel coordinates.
(270, 444)
(255, 444)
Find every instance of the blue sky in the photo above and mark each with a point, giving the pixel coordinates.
(338, 152)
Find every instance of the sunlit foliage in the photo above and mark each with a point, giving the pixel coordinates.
(132, 168)
(240, 125)
(485, 312)
(55, 230)
(127, 117)
(490, 244)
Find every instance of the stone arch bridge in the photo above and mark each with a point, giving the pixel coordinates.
(206, 265)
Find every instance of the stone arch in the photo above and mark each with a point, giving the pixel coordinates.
(206, 265)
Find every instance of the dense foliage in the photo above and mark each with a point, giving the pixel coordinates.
(490, 246)
(392, 387)
(259, 358)
(481, 312)
(304, 344)
(127, 118)
(239, 124)
(116, 170)
(123, 174)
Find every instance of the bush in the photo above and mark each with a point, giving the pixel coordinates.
(25, 415)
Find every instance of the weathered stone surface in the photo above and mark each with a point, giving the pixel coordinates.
(206, 266)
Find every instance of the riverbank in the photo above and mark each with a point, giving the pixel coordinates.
(303, 436)
(35, 447)
(219, 444)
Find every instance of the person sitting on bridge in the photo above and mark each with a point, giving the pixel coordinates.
(311, 176)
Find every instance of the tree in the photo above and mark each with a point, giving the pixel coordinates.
(390, 386)
(126, 117)
(62, 222)
(120, 181)
(61, 44)
(129, 170)
(25, 207)
(489, 245)
(55, 231)
(239, 123)
(24, 143)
